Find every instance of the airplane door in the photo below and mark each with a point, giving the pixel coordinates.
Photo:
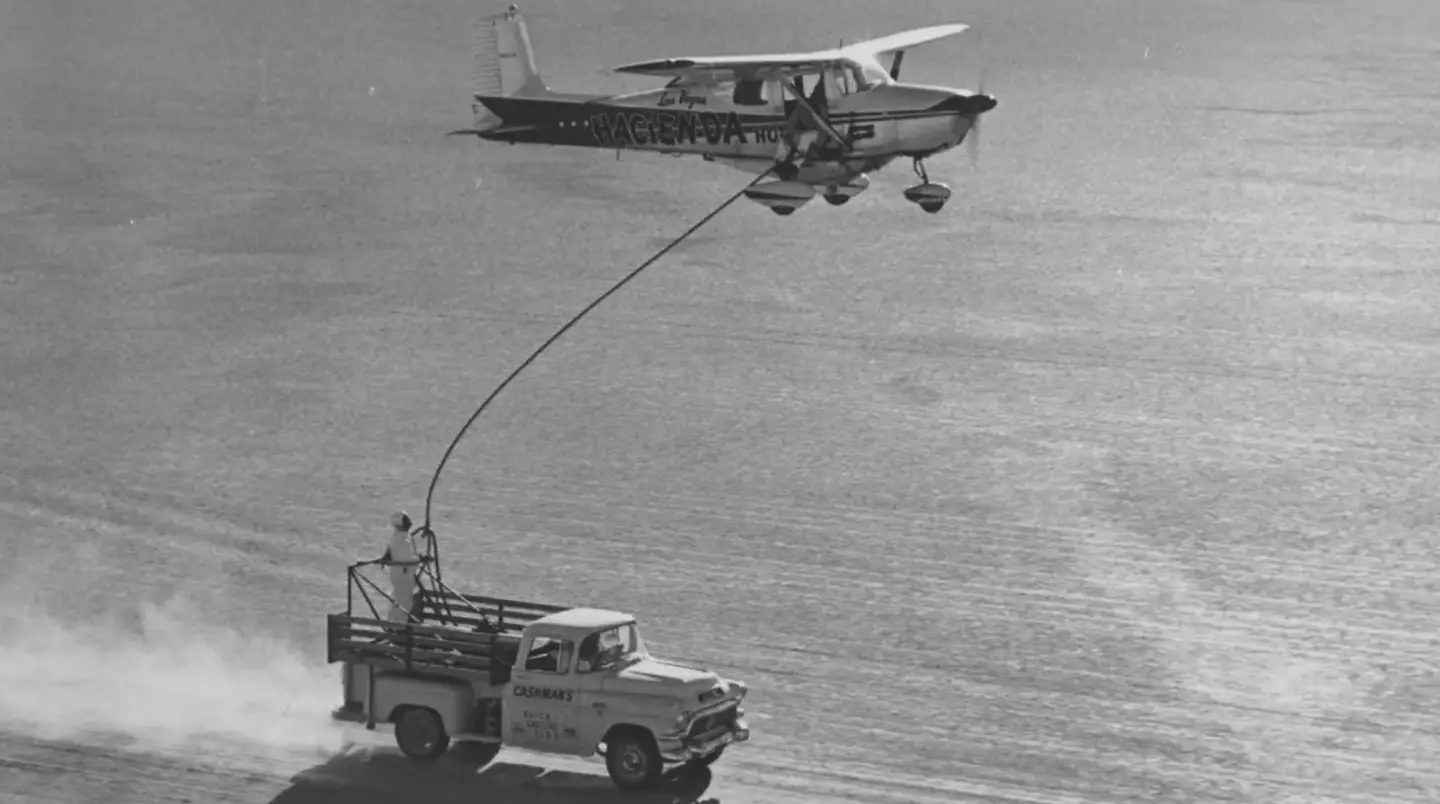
(543, 702)
(805, 85)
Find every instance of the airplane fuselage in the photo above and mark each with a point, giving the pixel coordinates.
(881, 124)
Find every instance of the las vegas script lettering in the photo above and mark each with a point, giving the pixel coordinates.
(682, 98)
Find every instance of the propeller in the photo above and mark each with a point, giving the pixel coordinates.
(972, 138)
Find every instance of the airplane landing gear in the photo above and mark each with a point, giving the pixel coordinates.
(839, 194)
(930, 196)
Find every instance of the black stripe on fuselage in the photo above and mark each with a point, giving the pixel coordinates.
(597, 124)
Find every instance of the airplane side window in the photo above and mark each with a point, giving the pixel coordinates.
(548, 655)
(750, 93)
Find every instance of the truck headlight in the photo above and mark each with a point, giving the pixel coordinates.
(682, 721)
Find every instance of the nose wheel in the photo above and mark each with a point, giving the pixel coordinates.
(929, 196)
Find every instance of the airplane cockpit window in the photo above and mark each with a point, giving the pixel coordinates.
(855, 76)
(872, 74)
(845, 78)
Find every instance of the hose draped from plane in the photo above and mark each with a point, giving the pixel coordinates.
(430, 493)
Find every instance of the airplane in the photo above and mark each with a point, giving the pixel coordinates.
(821, 120)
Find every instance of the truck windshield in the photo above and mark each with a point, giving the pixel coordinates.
(610, 647)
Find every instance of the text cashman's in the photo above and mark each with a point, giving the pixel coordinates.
(545, 693)
(677, 128)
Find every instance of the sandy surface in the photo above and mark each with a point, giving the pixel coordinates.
(1112, 482)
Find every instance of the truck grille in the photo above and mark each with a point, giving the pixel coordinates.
(712, 721)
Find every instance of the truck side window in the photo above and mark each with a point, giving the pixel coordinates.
(603, 650)
(549, 655)
(589, 653)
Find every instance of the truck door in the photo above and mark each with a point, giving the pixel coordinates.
(541, 709)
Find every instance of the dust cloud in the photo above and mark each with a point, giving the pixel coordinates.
(162, 682)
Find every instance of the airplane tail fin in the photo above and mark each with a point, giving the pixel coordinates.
(504, 64)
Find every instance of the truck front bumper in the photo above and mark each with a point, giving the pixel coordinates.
(702, 745)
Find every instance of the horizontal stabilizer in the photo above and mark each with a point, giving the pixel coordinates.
(492, 132)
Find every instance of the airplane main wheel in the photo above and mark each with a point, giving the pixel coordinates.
(783, 210)
(836, 199)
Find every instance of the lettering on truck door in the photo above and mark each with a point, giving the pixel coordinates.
(542, 702)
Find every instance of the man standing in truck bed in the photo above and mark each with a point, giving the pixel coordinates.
(400, 557)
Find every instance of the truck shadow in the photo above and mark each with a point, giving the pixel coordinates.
(377, 775)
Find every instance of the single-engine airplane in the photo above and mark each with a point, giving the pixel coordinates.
(818, 120)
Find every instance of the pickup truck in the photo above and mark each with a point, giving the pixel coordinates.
(575, 681)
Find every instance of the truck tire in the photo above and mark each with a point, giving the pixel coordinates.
(632, 759)
(420, 733)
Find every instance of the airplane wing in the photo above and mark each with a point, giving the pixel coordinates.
(731, 68)
(702, 69)
(903, 40)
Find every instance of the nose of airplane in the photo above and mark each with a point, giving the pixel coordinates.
(967, 105)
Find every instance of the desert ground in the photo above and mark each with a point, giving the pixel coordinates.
(1113, 482)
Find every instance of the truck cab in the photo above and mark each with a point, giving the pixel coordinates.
(574, 681)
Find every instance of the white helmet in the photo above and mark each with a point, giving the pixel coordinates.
(401, 521)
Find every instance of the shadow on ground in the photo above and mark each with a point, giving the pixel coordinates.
(364, 775)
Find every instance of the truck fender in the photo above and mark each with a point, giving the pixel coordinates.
(451, 700)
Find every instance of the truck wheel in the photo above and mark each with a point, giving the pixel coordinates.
(420, 733)
(708, 759)
(633, 760)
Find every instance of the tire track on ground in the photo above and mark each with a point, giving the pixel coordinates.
(1297, 578)
(1163, 342)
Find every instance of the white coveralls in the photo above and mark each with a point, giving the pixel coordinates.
(403, 565)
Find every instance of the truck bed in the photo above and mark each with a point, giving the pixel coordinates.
(479, 611)
(461, 635)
